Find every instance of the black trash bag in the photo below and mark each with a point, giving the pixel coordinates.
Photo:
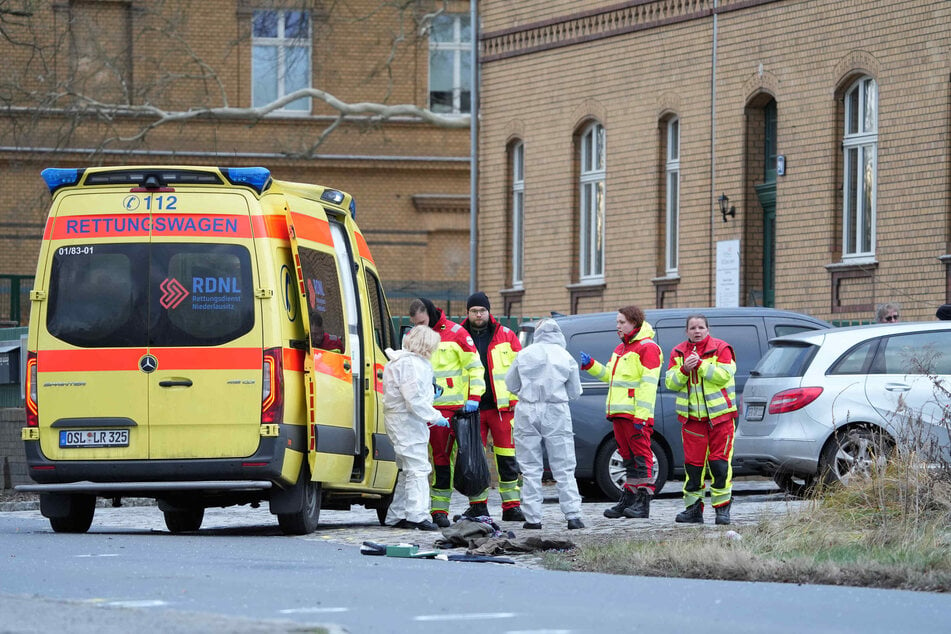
(471, 474)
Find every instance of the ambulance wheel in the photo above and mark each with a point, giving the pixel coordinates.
(304, 521)
(184, 520)
(78, 517)
(383, 507)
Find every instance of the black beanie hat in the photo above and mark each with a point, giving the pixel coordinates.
(478, 299)
(944, 312)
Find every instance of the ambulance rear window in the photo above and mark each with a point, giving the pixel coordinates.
(203, 294)
(98, 295)
(136, 294)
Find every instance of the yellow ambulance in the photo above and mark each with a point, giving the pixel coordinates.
(206, 337)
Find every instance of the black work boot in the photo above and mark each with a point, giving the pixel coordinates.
(693, 514)
(627, 498)
(723, 513)
(441, 519)
(477, 509)
(641, 507)
(513, 514)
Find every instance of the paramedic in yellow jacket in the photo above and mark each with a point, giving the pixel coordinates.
(632, 375)
(460, 374)
(701, 371)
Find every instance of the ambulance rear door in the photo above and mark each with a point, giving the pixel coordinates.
(90, 314)
(332, 363)
(205, 332)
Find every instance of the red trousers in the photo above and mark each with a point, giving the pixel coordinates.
(634, 444)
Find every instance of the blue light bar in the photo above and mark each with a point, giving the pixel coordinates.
(257, 178)
(57, 177)
(353, 208)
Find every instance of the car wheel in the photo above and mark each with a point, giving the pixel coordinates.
(184, 520)
(609, 470)
(800, 486)
(855, 452)
(79, 517)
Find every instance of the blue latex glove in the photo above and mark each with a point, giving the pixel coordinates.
(470, 406)
(585, 358)
(442, 422)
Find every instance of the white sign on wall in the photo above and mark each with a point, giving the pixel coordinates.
(728, 273)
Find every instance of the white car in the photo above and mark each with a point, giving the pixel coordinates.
(829, 403)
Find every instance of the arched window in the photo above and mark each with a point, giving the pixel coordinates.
(517, 166)
(591, 225)
(672, 197)
(860, 149)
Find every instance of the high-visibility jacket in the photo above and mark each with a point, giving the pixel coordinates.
(632, 374)
(456, 365)
(501, 352)
(709, 392)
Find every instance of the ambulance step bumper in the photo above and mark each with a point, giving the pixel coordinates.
(112, 487)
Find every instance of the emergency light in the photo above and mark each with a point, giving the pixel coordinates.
(57, 177)
(257, 178)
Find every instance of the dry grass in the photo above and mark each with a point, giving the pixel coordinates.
(889, 530)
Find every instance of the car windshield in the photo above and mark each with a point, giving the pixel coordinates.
(784, 359)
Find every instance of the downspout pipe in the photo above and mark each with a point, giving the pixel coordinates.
(474, 149)
(711, 286)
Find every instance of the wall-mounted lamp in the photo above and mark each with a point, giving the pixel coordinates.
(725, 208)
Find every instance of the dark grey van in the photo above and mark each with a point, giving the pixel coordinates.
(599, 469)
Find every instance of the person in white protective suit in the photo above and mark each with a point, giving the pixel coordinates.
(408, 412)
(545, 378)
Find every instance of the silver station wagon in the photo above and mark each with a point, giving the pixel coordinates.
(829, 404)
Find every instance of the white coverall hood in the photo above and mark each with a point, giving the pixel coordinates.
(546, 372)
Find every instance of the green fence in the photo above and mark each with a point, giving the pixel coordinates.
(15, 299)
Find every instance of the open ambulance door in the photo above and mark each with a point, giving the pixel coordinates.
(331, 363)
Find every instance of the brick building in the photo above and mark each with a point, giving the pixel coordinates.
(611, 131)
(84, 81)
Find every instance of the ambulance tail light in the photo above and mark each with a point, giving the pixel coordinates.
(32, 411)
(272, 397)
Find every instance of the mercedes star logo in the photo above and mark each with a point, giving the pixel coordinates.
(148, 364)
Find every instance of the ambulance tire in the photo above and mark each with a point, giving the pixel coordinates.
(383, 507)
(303, 521)
(184, 520)
(78, 517)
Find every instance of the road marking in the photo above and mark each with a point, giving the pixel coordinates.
(312, 610)
(538, 631)
(100, 555)
(142, 603)
(465, 617)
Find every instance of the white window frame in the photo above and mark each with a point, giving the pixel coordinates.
(592, 204)
(457, 48)
(860, 170)
(283, 46)
(518, 213)
(672, 198)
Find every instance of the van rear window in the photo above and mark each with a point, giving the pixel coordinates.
(135, 294)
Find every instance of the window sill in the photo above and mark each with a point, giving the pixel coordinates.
(852, 264)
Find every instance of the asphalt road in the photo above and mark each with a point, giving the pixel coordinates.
(239, 574)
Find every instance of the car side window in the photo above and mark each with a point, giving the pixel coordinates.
(917, 353)
(855, 360)
(600, 345)
(789, 329)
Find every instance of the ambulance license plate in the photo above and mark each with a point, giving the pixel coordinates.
(94, 438)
